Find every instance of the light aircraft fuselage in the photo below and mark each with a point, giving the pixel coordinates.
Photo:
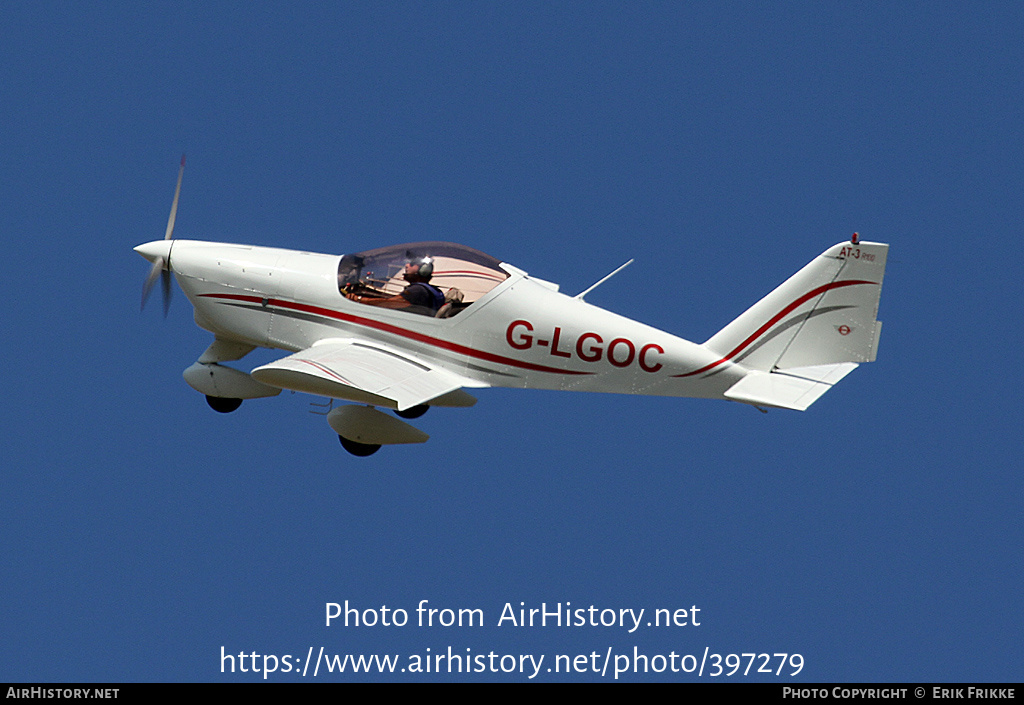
(500, 328)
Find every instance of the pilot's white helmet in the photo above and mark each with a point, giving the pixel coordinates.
(424, 266)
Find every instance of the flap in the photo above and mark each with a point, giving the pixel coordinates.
(361, 371)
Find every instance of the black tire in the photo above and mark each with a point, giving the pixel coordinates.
(224, 405)
(413, 412)
(359, 449)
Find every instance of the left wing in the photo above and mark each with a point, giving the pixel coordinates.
(366, 372)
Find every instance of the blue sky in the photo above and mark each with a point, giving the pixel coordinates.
(723, 145)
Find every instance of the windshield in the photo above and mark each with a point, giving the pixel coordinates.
(461, 274)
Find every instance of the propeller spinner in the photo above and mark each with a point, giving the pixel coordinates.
(158, 252)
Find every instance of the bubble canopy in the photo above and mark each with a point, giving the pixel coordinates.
(456, 266)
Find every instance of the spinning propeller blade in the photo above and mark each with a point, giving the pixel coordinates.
(165, 282)
(174, 205)
(154, 272)
(161, 265)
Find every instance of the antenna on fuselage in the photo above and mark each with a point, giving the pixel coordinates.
(601, 281)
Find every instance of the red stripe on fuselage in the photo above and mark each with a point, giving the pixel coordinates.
(396, 330)
(775, 319)
(470, 272)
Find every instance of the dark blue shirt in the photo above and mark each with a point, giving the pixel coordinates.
(423, 296)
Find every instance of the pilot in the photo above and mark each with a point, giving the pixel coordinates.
(419, 297)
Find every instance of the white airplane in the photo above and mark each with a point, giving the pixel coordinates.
(360, 328)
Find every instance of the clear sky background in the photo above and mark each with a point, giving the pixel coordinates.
(723, 145)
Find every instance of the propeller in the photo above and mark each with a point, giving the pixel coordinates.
(161, 265)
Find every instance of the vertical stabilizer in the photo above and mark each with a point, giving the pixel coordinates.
(822, 315)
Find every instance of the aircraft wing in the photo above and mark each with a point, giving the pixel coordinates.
(367, 372)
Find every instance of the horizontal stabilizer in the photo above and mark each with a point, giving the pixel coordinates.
(365, 372)
(796, 388)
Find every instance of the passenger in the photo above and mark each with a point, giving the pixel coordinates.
(419, 297)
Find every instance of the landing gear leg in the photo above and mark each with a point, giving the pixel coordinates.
(360, 449)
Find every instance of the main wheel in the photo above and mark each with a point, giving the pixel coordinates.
(413, 412)
(357, 448)
(224, 405)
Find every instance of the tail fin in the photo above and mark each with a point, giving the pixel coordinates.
(822, 315)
